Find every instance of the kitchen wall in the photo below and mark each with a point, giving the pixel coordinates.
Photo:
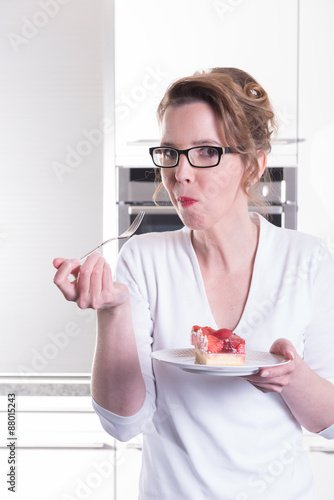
(316, 120)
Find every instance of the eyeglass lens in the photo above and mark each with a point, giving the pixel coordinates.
(202, 156)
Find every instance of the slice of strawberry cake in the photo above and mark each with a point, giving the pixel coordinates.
(217, 347)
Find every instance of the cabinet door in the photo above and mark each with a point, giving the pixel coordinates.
(321, 456)
(58, 456)
(61, 474)
(157, 42)
(129, 458)
(322, 463)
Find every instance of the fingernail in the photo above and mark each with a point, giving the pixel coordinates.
(292, 354)
(264, 374)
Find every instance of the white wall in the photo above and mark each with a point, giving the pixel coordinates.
(51, 165)
(316, 120)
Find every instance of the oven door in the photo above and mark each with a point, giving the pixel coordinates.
(157, 218)
(273, 213)
(136, 186)
(165, 218)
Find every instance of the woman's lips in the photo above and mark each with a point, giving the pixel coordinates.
(185, 201)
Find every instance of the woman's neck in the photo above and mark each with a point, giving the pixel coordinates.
(231, 243)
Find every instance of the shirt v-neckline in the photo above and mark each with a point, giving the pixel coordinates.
(199, 278)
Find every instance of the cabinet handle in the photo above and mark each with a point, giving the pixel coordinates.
(272, 209)
(321, 449)
(134, 446)
(149, 142)
(283, 141)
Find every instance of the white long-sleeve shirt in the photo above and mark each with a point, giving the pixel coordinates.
(219, 438)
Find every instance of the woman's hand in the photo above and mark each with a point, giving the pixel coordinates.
(276, 378)
(117, 381)
(309, 397)
(92, 286)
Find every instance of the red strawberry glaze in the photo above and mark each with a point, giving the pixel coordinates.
(223, 333)
(214, 344)
(217, 341)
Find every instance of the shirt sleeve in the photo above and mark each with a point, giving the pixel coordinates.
(124, 428)
(130, 271)
(319, 337)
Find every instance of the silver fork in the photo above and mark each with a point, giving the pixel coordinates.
(129, 232)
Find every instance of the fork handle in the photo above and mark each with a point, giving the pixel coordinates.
(89, 253)
(94, 250)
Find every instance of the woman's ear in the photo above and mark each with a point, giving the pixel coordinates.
(262, 161)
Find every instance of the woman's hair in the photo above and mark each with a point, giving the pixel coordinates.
(243, 108)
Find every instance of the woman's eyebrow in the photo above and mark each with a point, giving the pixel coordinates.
(206, 141)
(201, 142)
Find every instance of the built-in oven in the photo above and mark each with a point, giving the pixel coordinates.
(136, 187)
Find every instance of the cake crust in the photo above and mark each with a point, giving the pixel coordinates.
(222, 359)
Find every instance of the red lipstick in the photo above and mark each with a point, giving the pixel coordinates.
(185, 201)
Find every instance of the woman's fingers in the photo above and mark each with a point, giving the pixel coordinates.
(96, 284)
(61, 279)
(58, 262)
(85, 289)
(84, 280)
(107, 280)
(113, 293)
(275, 378)
(93, 285)
(285, 348)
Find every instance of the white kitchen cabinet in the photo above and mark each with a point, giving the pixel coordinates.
(129, 458)
(63, 453)
(321, 455)
(63, 474)
(322, 463)
(316, 110)
(157, 42)
(52, 176)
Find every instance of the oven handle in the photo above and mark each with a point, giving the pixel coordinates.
(135, 209)
(161, 210)
(271, 209)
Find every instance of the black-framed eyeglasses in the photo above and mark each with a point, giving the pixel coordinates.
(199, 156)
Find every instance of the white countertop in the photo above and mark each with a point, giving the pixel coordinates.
(48, 403)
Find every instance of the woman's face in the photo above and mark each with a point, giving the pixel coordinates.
(202, 196)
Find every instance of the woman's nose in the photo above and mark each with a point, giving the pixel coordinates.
(184, 171)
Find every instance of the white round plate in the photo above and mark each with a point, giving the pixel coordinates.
(185, 359)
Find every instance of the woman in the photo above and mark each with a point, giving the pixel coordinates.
(210, 437)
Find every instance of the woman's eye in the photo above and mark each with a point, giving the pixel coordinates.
(169, 153)
(208, 152)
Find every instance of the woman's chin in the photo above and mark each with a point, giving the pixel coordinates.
(192, 221)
